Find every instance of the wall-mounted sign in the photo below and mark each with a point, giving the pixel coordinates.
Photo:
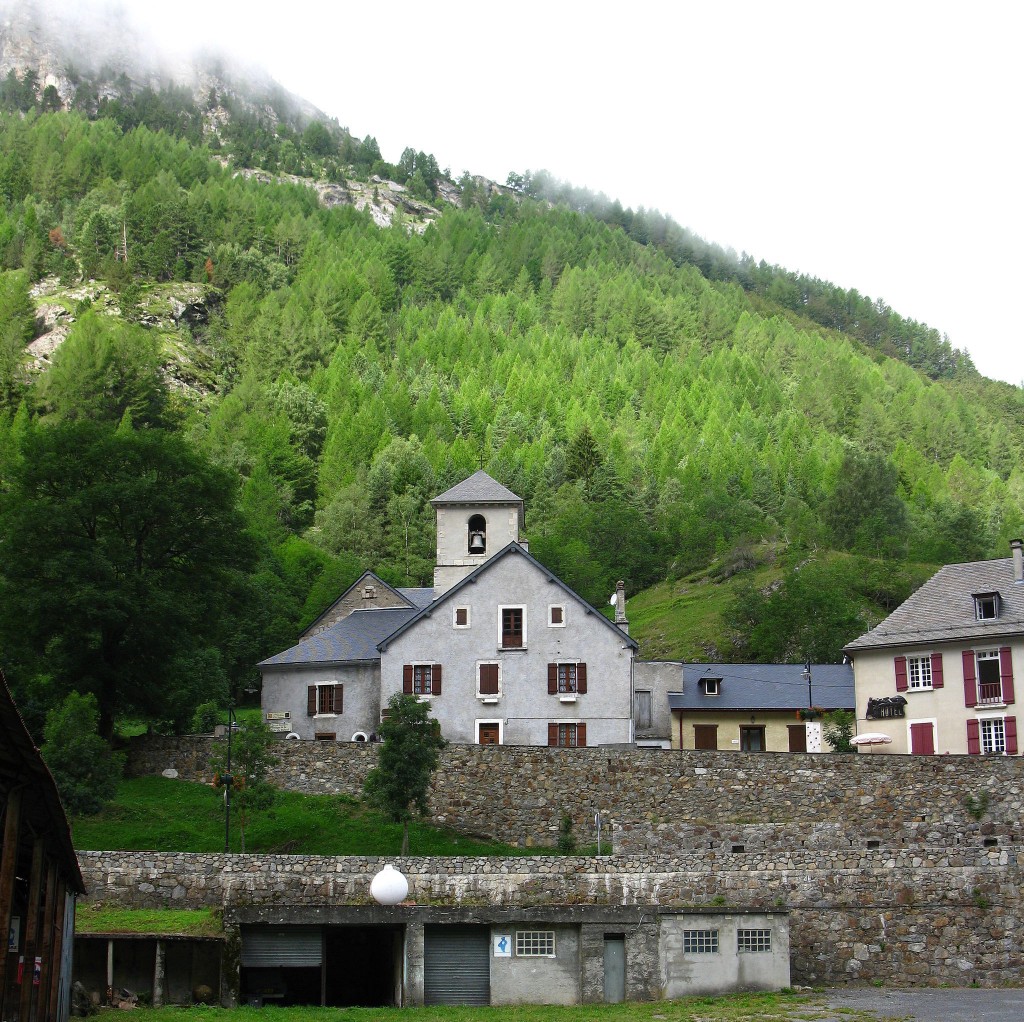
(14, 933)
(503, 945)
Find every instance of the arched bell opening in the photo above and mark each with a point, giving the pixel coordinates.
(477, 534)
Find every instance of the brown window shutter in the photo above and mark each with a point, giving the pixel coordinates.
(310, 700)
(1010, 726)
(552, 734)
(407, 679)
(581, 678)
(970, 679)
(553, 680)
(1006, 673)
(488, 679)
(937, 681)
(900, 663)
(339, 698)
(435, 680)
(973, 738)
(581, 735)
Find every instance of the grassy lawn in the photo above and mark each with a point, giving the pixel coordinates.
(783, 1007)
(158, 814)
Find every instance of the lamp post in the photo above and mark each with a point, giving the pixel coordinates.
(806, 672)
(228, 781)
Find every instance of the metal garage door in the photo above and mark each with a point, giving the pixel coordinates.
(285, 946)
(457, 965)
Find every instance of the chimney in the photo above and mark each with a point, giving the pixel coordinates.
(620, 606)
(1018, 560)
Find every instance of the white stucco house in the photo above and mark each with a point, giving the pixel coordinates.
(937, 675)
(505, 651)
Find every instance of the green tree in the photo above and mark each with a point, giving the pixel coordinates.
(122, 556)
(86, 771)
(864, 512)
(251, 760)
(17, 325)
(400, 782)
(838, 728)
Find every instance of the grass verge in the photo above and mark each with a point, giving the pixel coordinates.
(101, 918)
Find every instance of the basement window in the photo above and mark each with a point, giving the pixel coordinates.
(535, 943)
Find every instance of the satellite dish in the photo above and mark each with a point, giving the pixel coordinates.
(614, 599)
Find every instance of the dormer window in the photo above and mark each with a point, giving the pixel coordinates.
(477, 534)
(986, 606)
(712, 686)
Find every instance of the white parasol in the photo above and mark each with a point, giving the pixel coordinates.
(871, 738)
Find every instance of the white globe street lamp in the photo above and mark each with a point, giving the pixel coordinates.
(389, 886)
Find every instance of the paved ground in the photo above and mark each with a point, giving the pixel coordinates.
(959, 1005)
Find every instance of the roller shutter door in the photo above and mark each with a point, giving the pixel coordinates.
(289, 947)
(457, 965)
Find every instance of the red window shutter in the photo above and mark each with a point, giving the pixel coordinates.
(407, 679)
(310, 700)
(552, 734)
(901, 673)
(581, 678)
(553, 680)
(937, 681)
(1006, 673)
(1010, 725)
(970, 679)
(581, 735)
(435, 680)
(973, 738)
(339, 698)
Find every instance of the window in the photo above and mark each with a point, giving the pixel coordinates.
(324, 699)
(712, 686)
(919, 672)
(993, 736)
(643, 708)
(986, 606)
(567, 736)
(752, 739)
(990, 689)
(477, 538)
(556, 616)
(461, 617)
(513, 627)
(489, 732)
(488, 679)
(567, 679)
(325, 736)
(421, 679)
(369, 592)
(535, 944)
(700, 942)
(753, 941)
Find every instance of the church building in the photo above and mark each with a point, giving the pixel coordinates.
(506, 653)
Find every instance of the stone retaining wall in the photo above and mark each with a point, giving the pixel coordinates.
(906, 916)
(518, 794)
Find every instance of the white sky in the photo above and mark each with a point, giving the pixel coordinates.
(876, 145)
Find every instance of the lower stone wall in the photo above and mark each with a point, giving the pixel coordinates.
(906, 916)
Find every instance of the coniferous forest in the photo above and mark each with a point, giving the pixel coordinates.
(180, 496)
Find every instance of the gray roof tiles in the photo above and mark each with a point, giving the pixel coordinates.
(943, 608)
(354, 638)
(479, 488)
(765, 687)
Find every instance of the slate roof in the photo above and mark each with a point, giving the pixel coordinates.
(943, 608)
(479, 488)
(510, 549)
(354, 638)
(765, 687)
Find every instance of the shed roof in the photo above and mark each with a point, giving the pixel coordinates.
(765, 687)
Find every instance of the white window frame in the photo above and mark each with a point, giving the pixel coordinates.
(429, 664)
(489, 695)
(489, 720)
(553, 607)
(980, 600)
(992, 722)
(919, 673)
(502, 607)
(318, 714)
(455, 617)
(712, 686)
(535, 943)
